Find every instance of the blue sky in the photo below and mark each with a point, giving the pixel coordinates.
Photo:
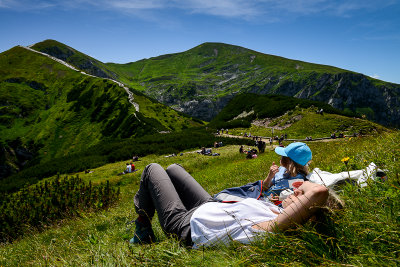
(358, 35)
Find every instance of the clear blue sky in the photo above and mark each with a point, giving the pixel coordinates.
(358, 35)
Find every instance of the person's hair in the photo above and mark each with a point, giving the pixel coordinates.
(334, 202)
(324, 217)
(294, 168)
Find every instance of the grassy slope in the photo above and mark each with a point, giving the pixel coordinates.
(360, 235)
(42, 114)
(206, 64)
(298, 117)
(74, 57)
(48, 104)
(312, 124)
(169, 118)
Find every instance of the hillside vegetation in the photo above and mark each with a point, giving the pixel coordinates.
(364, 233)
(112, 151)
(267, 115)
(202, 80)
(50, 111)
(74, 57)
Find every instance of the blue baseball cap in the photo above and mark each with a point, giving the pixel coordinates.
(297, 151)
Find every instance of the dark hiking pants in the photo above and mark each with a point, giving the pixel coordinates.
(174, 193)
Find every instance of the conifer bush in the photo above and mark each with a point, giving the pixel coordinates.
(48, 202)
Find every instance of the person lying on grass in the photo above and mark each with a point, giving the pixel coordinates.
(187, 211)
(281, 180)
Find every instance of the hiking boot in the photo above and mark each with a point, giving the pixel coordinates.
(143, 234)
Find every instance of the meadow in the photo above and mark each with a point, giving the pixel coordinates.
(365, 232)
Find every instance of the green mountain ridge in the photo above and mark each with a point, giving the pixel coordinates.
(202, 80)
(51, 110)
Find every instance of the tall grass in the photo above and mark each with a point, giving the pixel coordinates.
(365, 232)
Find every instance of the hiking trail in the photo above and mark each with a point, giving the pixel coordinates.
(130, 94)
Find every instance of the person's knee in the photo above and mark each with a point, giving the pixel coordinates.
(152, 167)
(174, 167)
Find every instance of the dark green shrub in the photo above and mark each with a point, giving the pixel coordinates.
(48, 202)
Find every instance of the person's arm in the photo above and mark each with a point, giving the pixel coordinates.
(298, 207)
(272, 171)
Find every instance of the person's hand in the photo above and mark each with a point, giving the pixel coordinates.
(273, 169)
(273, 198)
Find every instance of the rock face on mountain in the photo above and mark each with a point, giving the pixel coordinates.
(351, 91)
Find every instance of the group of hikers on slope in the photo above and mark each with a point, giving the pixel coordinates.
(282, 200)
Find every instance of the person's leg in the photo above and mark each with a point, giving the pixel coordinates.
(189, 190)
(157, 192)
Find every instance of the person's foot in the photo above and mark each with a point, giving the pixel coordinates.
(143, 234)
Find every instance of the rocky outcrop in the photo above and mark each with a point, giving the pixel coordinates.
(351, 91)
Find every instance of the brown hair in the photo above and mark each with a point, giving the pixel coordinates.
(334, 202)
(294, 168)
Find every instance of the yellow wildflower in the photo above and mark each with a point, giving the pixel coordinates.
(345, 160)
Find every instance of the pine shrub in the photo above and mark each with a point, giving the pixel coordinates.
(48, 202)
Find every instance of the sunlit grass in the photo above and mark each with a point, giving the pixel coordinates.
(364, 233)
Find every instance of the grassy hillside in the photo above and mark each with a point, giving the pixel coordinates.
(298, 118)
(244, 108)
(201, 80)
(55, 111)
(114, 150)
(364, 233)
(211, 70)
(75, 58)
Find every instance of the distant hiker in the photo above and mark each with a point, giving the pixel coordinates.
(261, 146)
(241, 149)
(251, 154)
(132, 167)
(127, 170)
(270, 141)
(135, 158)
(206, 151)
(187, 211)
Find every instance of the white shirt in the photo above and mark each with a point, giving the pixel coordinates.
(216, 222)
(128, 168)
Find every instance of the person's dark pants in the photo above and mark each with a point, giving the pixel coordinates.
(174, 193)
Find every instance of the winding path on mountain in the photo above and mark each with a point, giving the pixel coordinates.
(130, 95)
